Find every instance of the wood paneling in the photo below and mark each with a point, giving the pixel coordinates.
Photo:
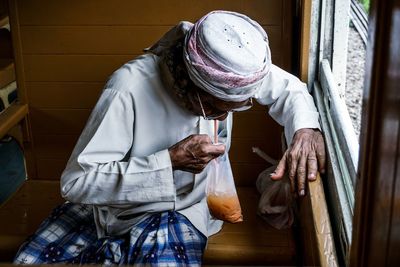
(246, 174)
(241, 149)
(63, 95)
(128, 12)
(68, 49)
(50, 169)
(255, 124)
(305, 39)
(54, 146)
(82, 68)
(72, 68)
(308, 247)
(120, 40)
(58, 121)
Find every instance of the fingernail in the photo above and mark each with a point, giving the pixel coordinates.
(302, 192)
(311, 176)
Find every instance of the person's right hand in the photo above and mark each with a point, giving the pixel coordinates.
(193, 153)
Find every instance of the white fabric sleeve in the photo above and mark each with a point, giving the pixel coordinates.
(100, 169)
(289, 102)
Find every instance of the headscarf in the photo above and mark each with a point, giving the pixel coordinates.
(225, 53)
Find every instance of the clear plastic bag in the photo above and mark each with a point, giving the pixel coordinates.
(222, 198)
(276, 201)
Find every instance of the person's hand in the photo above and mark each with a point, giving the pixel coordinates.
(193, 153)
(304, 157)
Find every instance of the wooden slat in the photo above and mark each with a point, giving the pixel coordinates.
(318, 247)
(50, 169)
(82, 68)
(104, 39)
(7, 72)
(18, 58)
(89, 39)
(307, 246)
(322, 224)
(245, 174)
(241, 149)
(252, 241)
(6, 50)
(53, 146)
(78, 68)
(11, 116)
(64, 95)
(58, 121)
(127, 12)
(305, 39)
(255, 124)
(22, 94)
(288, 15)
(3, 20)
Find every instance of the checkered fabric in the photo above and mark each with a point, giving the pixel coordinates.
(68, 235)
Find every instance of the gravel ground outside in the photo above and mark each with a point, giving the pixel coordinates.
(355, 77)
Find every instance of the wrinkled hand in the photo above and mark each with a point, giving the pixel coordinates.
(303, 158)
(193, 153)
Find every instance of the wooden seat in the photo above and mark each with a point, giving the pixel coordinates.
(252, 242)
(248, 243)
(22, 214)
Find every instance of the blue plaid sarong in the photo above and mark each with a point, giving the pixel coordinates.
(68, 235)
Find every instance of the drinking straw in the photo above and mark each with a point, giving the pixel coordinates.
(215, 131)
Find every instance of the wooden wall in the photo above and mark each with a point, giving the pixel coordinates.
(66, 49)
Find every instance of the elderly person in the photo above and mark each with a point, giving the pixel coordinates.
(136, 179)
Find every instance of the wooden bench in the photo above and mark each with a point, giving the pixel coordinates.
(252, 242)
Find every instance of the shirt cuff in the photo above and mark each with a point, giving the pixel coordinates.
(302, 120)
(164, 163)
(163, 159)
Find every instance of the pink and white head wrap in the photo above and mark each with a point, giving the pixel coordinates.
(227, 55)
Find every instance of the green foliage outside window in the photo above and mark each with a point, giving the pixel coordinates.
(365, 3)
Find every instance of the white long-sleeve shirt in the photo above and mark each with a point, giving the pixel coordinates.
(121, 164)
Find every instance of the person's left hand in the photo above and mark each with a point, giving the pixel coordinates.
(303, 158)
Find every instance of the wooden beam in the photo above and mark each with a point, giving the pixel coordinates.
(305, 39)
(322, 224)
(11, 116)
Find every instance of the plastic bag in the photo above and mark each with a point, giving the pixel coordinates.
(222, 199)
(276, 201)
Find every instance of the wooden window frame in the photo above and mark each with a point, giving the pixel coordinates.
(326, 79)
